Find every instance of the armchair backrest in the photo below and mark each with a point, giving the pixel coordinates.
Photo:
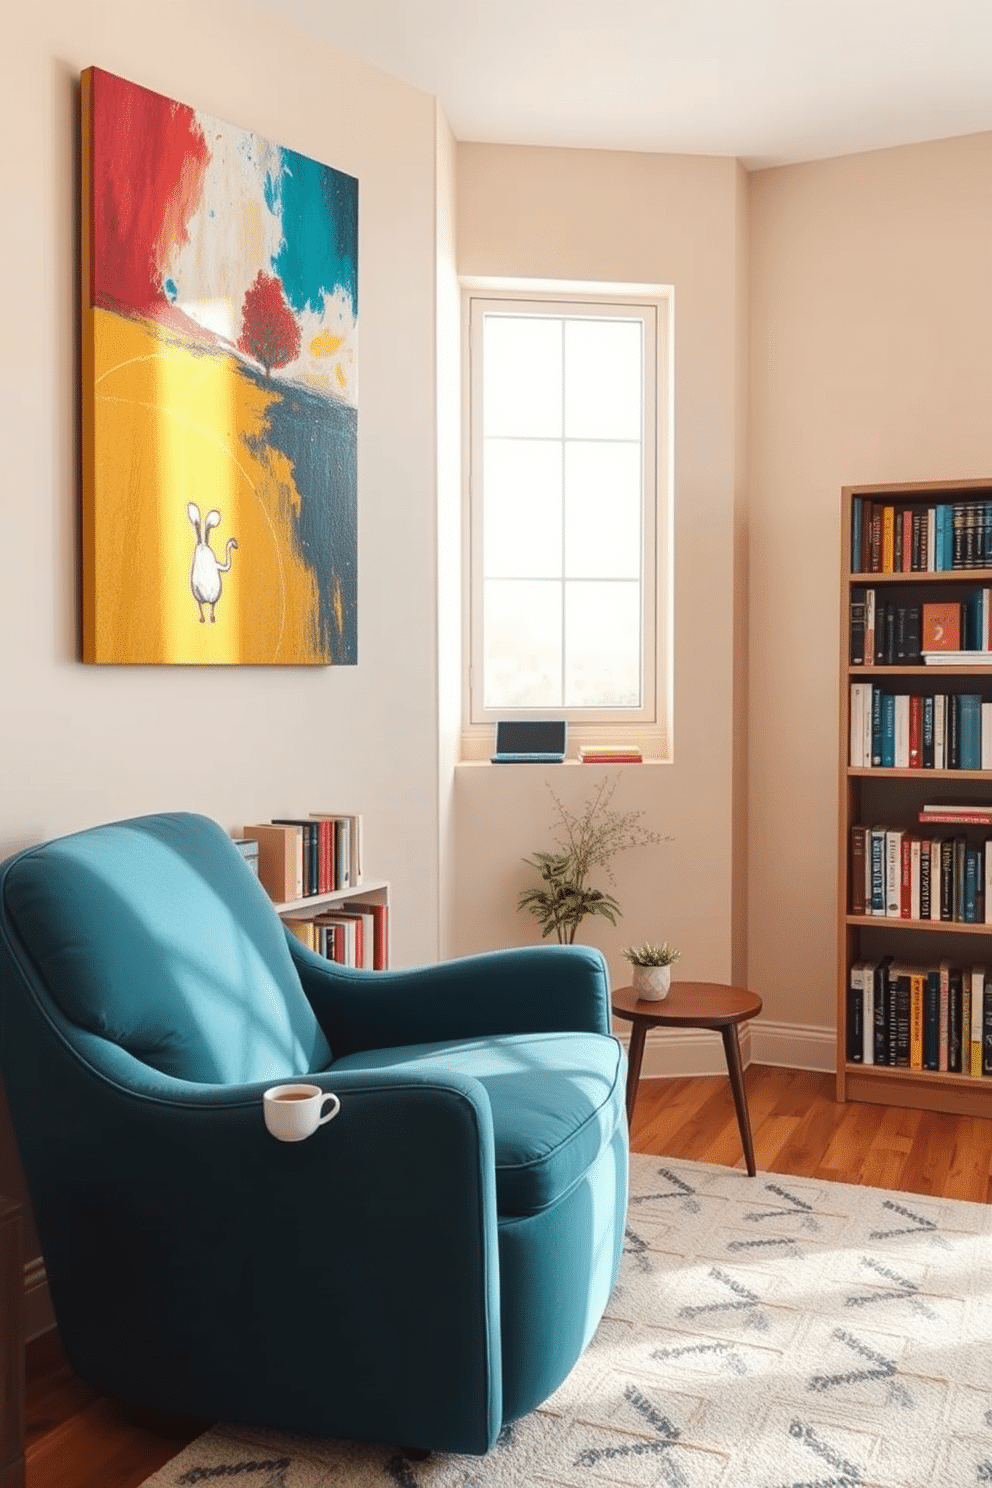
(155, 935)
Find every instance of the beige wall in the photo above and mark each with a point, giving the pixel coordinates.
(577, 214)
(871, 360)
(81, 744)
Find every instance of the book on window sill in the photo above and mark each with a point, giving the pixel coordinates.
(610, 754)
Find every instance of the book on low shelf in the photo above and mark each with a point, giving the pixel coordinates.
(347, 832)
(248, 848)
(309, 852)
(280, 859)
(379, 914)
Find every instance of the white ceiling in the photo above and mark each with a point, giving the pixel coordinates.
(768, 81)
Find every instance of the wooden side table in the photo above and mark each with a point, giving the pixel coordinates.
(11, 1345)
(693, 1005)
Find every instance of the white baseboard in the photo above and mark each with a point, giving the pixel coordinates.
(671, 1052)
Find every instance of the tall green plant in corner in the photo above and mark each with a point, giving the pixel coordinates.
(585, 842)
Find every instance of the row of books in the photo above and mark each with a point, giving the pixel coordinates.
(904, 875)
(919, 731)
(889, 538)
(920, 1017)
(302, 856)
(610, 754)
(893, 632)
(356, 936)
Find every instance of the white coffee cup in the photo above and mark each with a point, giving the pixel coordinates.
(294, 1112)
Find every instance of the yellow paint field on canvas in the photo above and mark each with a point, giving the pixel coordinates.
(175, 425)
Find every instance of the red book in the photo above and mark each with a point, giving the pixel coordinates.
(325, 837)
(858, 886)
(907, 540)
(941, 626)
(915, 732)
(380, 957)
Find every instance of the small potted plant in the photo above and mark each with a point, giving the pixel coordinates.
(652, 975)
(585, 843)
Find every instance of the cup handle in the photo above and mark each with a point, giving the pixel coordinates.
(330, 1096)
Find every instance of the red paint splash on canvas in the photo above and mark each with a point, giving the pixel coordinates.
(149, 158)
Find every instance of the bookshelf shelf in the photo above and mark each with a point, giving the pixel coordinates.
(368, 889)
(942, 776)
(897, 993)
(921, 927)
(949, 576)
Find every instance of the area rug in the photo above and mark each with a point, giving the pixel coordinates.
(765, 1332)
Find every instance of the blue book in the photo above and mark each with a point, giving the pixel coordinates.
(926, 748)
(969, 707)
(889, 730)
(972, 639)
(972, 884)
(948, 563)
(856, 520)
(877, 839)
(943, 555)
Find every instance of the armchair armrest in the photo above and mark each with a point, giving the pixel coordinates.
(527, 989)
(358, 1268)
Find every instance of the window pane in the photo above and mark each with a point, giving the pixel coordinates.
(602, 510)
(522, 644)
(522, 535)
(522, 375)
(603, 377)
(602, 645)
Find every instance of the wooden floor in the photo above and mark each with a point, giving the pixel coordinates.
(77, 1439)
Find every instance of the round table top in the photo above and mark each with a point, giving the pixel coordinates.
(690, 1005)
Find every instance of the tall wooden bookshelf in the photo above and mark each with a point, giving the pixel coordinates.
(872, 795)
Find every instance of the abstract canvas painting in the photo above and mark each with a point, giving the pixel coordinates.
(219, 390)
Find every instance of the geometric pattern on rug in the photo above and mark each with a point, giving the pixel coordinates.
(767, 1332)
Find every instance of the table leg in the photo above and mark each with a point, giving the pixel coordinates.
(635, 1054)
(732, 1049)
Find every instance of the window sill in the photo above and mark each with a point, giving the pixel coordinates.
(566, 764)
(476, 744)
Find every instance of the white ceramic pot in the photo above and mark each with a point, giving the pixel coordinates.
(651, 983)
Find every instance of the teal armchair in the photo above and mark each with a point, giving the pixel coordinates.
(422, 1270)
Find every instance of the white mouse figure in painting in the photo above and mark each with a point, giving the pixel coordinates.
(205, 580)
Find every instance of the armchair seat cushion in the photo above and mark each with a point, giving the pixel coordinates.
(548, 1130)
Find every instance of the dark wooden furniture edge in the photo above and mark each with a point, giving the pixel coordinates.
(11, 1345)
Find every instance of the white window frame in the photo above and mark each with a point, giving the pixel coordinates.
(650, 726)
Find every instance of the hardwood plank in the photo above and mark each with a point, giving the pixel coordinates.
(971, 1161)
(100, 1447)
(54, 1391)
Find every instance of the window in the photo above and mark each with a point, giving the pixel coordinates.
(567, 512)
